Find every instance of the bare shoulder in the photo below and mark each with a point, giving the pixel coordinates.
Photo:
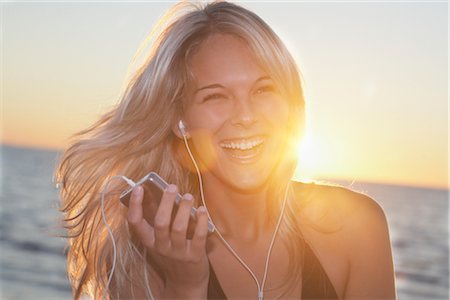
(350, 234)
(336, 208)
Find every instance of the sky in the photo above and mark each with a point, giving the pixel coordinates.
(376, 78)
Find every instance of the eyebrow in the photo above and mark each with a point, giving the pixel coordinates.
(216, 85)
(211, 86)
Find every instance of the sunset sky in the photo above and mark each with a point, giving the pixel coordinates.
(376, 76)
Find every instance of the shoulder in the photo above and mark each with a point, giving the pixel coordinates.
(349, 232)
(349, 222)
(337, 208)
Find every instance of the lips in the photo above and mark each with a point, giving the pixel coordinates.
(243, 149)
(242, 144)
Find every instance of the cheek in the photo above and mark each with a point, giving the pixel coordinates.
(203, 124)
(204, 149)
(208, 118)
(276, 111)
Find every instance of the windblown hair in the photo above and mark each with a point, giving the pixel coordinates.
(136, 137)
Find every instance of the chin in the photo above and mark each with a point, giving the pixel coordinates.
(249, 173)
(244, 179)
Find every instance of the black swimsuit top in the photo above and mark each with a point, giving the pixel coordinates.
(315, 282)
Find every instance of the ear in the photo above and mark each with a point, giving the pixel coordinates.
(179, 129)
(176, 131)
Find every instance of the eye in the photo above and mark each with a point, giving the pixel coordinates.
(269, 88)
(213, 96)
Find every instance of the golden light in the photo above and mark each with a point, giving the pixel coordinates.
(311, 158)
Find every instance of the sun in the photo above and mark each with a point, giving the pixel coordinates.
(310, 154)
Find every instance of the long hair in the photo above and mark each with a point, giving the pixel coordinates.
(136, 137)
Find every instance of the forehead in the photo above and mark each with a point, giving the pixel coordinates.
(223, 57)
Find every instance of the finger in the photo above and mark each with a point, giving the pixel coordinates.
(162, 219)
(136, 220)
(181, 222)
(197, 246)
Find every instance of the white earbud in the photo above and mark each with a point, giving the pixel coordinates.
(182, 128)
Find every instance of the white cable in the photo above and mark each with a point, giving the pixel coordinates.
(266, 267)
(110, 233)
(147, 287)
(131, 183)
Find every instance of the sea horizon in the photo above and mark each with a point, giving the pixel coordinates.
(331, 180)
(33, 261)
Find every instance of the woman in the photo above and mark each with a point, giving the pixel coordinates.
(216, 110)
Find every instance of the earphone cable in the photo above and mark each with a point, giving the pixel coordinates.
(108, 228)
(260, 287)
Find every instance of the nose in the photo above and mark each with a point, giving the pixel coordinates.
(244, 113)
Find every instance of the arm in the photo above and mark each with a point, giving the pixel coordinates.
(371, 273)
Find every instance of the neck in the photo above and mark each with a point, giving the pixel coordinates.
(238, 215)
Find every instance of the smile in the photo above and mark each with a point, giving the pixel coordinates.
(245, 150)
(242, 144)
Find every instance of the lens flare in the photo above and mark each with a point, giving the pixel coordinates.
(310, 153)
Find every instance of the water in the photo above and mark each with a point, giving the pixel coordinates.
(418, 224)
(33, 266)
(32, 263)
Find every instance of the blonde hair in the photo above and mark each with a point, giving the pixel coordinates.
(136, 137)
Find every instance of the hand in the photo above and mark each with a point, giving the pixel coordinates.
(184, 262)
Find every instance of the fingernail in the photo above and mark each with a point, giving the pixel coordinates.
(137, 190)
(201, 210)
(172, 188)
(188, 197)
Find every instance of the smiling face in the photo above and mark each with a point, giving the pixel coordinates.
(237, 116)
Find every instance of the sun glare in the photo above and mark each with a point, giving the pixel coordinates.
(310, 153)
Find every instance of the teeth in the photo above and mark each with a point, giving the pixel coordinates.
(242, 145)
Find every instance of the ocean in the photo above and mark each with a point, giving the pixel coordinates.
(33, 265)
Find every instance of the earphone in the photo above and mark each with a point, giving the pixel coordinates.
(182, 129)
